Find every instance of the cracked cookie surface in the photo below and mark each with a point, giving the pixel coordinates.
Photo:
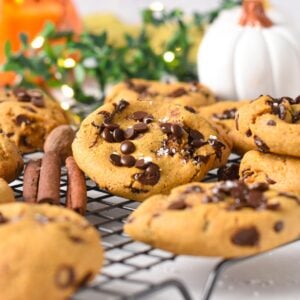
(227, 219)
(187, 94)
(280, 171)
(138, 149)
(47, 251)
(28, 116)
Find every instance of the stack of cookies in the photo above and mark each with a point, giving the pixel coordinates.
(154, 142)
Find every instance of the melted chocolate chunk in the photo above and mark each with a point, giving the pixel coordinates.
(127, 147)
(270, 180)
(178, 93)
(177, 131)
(277, 106)
(278, 226)
(65, 277)
(20, 119)
(138, 88)
(261, 145)
(105, 114)
(290, 196)
(199, 159)
(37, 98)
(271, 123)
(139, 115)
(121, 105)
(165, 127)
(228, 172)
(150, 176)
(190, 109)
(21, 94)
(227, 114)
(178, 205)
(142, 164)
(140, 127)
(296, 117)
(193, 189)
(3, 219)
(85, 279)
(248, 133)
(217, 145)
(246, 237)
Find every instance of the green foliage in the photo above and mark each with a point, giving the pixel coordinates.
(106, 63)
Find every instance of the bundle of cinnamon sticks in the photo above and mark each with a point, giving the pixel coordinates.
(42, 177)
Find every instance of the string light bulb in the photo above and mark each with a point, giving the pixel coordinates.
(67, 91)
(157, 6)
(38, 42)
(169, 56)
(67, 63)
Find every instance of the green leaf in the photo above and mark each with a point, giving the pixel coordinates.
(24, 39)
(7, 49)
(48, 30)
(79, 73)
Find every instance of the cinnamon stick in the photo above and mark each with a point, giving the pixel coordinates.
(31, 181)
(49, 183)
(76, 193)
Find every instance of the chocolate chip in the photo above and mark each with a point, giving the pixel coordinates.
(196, 138)
(217, 145)
(178, 93)
(190, 109)
(246, 237)
(278, 226)
(85, 279)
(193, 189)
(28, 108)
(108, 124)
(165, 127)
(115, 159)
(248, 132)
(127, 147)
(260, 186)
(148, 119)
(270, 180)
(130, 133)
(65, 277)
(277, 106)
(139, 115)
(105, 114)
(296, 100)
(271, 123)
(37, 98)
(178, 205)
(24, 140)
(139, 88)
(107, 135)
(201, 159)
(228, 172)
(118, 135)
(140, 127)
(261, 145)
(20, 119)
(128, 161)
(3, 219)
(296, 117)
(226, 114)
(121, 105)
(141, 164)
(21, 94)
(150, 176)
(176, 130)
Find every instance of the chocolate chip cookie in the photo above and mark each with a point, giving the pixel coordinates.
(11, 162)
(223, 114)
(48, 252)
(27, 116)
(280, 171)
(187, 94)
(6, 193)
(227, 219)
(272, 125)
(135, 149)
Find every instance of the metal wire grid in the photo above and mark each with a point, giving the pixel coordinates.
(125, 259)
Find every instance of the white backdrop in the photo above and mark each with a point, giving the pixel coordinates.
(129, 9)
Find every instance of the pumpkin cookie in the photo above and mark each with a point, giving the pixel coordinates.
(272, 125)
(280, 171)
(6, 193)
(11, 162)
(225, 219)
(187, 94)
(27, 116)
(47, 251)
(136, 150)
(223, 114)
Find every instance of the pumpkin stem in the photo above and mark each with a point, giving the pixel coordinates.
(254, 14)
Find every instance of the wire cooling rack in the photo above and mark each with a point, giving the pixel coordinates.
(125, 259)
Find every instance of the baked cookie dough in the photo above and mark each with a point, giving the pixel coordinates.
(136, 150)
(6, 193)
(223, 114)
(273, 125)
(188, 94)
(27, 116)
(227, 219)
(11, 162)
(48, 252)
(280, 171)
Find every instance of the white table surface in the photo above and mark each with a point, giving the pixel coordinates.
(275, 275)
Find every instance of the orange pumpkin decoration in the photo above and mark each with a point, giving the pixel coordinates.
(30, 16)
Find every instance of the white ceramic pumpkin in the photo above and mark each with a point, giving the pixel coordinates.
(247, 54)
